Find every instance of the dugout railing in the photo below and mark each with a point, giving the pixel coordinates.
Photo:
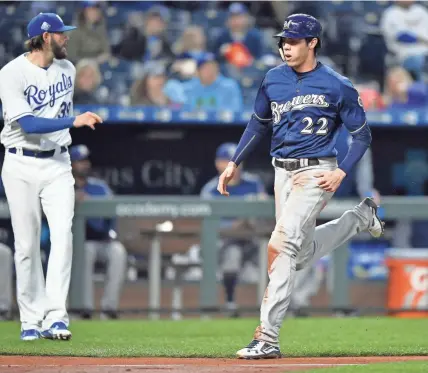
(210, 213)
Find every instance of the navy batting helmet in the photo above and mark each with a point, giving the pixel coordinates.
(300, 26)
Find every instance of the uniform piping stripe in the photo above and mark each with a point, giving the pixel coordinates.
(261, 119)
(19, 116)
(245, 147)
(359, 129)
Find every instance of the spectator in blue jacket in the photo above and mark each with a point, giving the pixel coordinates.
(210, 90)
(239, 30)
(101, 244)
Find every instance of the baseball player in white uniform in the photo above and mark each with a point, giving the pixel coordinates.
(36, 90)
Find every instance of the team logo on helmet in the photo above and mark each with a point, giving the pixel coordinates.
(45, 26)
(287, 24)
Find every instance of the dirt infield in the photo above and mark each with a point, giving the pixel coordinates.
(41, 364)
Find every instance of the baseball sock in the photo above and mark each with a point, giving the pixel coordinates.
(229, 283)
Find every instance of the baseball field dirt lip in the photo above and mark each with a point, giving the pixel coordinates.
(41, 364)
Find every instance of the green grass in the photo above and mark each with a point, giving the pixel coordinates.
(407, 367)
(222, 338)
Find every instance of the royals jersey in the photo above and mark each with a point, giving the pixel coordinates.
(27, 89)
(307, 110)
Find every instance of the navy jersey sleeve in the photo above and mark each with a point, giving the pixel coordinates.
(256, 128)
(262, 109)
(353, 117)
(351, 108)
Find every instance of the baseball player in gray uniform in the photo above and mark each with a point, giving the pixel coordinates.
(36, 90)
(305, 103)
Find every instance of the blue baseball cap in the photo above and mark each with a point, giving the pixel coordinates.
(226, 150)
(237, 8)
(79, 153)
(46, 22)
(90, 4)
(206, 57)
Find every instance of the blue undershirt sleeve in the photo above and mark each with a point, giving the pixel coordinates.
(31, 124)
(256, 128)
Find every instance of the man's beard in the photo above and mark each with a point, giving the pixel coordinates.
(59, 52)
(84, 173)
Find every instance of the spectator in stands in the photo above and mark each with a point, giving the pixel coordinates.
(145, 39)
(183, 68)
(88, 80)
(102, 243)
(372, 99)
(155, 90)
(211, 90)
(192, 41)
(188, 49)
(6, 264)
(405, 29)
(234, 252)
(402, 92)
(90, 39)
(239, 43)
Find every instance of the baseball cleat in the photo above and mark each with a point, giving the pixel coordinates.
(376, 225)
(259, 350)
(30, 335)
(58, 330)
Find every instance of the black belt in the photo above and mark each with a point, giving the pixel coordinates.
(295, 164)
(37, 153)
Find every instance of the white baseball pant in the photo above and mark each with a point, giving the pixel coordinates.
(31, 183)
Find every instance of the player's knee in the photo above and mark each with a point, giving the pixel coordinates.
(283, 241)
(118, 251)
(90, 249)
(24, 249)
(62, 238)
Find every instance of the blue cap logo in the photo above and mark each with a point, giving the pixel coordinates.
(46, 22)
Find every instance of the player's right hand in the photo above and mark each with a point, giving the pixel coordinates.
(225, 177)
(88, 119)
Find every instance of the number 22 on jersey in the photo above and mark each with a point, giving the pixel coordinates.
(310, 126)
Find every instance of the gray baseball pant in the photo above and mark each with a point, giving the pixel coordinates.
(296, 242)
(114, 254)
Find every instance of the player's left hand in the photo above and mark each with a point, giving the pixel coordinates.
(225, 177)
(330, 180)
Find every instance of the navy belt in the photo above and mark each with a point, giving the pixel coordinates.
(37, 153)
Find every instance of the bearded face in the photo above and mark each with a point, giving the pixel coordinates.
(58, 44)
